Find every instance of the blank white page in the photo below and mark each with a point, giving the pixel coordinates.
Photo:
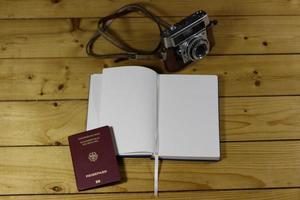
(93, 116)
(188, 118)
(128, 104)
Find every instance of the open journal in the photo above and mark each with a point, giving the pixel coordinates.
(173, 116)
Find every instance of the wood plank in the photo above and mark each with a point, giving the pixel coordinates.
(243, 165)
(67, 38)
(233, 35)
(32, 79)
(241, 119)
(95, 8)
(262, 194)
(41, 123)
(265, 118)
(68, 78)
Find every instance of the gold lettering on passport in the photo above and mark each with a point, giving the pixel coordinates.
(89, 139)
(96, 173)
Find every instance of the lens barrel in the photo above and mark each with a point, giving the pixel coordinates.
(198, 49)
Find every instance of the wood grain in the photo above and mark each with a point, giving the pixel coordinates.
(241, 119)
(95, 8)
(68, 78)
(262, 194)
(67, 38)
(243, 165)
(42, 57)
(233, 35)
(41, 123)
(265, 118)
(31, 79)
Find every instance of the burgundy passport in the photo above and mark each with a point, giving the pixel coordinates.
(94, 158)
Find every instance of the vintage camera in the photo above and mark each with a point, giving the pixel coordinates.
(186, 41)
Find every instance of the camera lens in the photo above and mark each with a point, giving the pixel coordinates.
(200, 50)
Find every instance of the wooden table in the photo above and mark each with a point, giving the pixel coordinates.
(44, 81)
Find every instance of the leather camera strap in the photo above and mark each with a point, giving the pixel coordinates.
(129, 52)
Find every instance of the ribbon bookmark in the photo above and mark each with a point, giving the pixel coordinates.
(156, 164)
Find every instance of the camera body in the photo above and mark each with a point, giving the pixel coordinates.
(186, 41)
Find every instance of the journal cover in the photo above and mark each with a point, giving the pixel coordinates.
(94, 158)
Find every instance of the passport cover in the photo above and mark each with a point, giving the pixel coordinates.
(94, 158)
